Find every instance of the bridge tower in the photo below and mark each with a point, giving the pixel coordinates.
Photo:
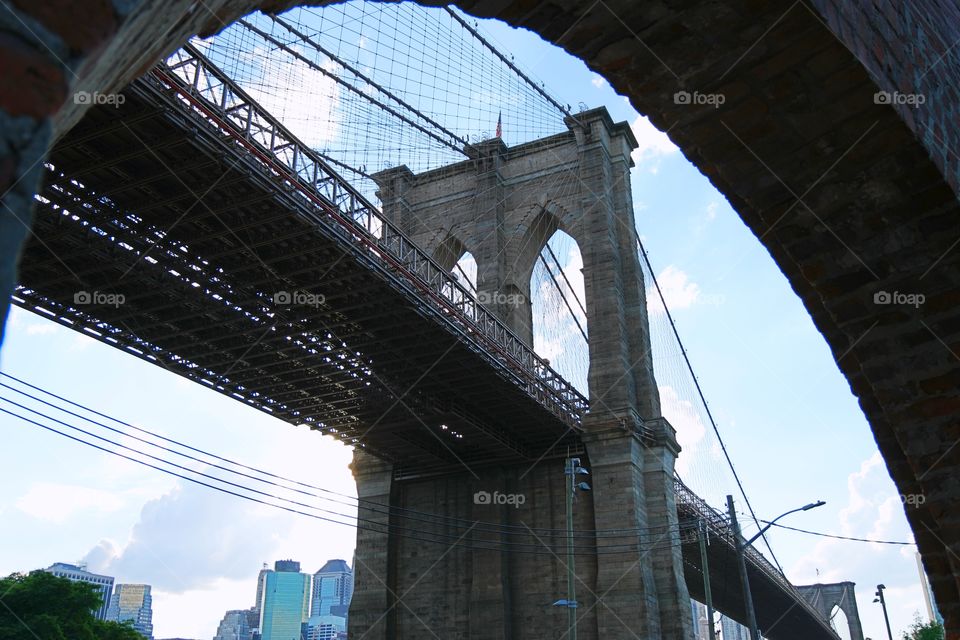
(502, 205)
(824, 597)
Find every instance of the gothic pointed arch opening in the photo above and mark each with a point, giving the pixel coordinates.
(558, 308)
(465, 271)
(839, 622)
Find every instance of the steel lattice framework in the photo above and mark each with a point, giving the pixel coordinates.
(782, 611)
(200, 209)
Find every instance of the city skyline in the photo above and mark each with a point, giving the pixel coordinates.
(323, 597)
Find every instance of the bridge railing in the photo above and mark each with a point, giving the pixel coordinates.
(208, 94)
(690, 505)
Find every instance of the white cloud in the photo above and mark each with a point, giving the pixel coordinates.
(41, 329)
(683, 416)
(302, 98)
(653, 144)
(872, 503)
(188, 538)
(58, 503)
(678, 291)
(598, 80)
(712, 210)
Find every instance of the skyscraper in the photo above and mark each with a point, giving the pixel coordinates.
(133, 602)
(699, 614)
(330, 604)
(933, 613)
(79, 573)
(332, 589)
(285, 602)
(730, 629)
(237, 625)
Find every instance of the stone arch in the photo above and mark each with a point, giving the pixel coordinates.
(825, 598)
(840, 622)
(799, 91)
(448, 251)
(560, 328)
(538, 222)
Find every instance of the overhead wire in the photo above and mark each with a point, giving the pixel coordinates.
(366, 504)
(838, 537)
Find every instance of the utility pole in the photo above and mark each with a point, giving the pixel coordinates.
(571, 470)
(571, 568)
(742, 570)
(706, 579)
(741, 548)
(883, 603)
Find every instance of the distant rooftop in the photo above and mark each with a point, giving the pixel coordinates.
(287, 566)
(335, 566)
(66, 566)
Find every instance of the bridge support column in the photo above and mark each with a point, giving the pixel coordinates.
(640, 592)
(373, 607)
(490, 603)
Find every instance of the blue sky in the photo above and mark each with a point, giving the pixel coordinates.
(795, 432)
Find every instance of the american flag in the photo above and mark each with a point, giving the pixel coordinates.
(499, 127)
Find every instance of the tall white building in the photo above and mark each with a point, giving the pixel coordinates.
(732, 630)
(933, 614)
(133, 603)
(79, 573)
(701, 626)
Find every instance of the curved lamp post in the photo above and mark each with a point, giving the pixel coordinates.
(883, 603)
(741, 558)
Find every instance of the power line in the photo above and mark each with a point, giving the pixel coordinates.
(836, 537)
(703, 400)
(563, 297)
(418, 534)
(510, 64)
(373, 506)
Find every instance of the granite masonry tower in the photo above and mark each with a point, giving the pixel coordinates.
(503, 205)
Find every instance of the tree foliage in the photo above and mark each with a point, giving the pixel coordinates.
(920, 630)
(41, 606)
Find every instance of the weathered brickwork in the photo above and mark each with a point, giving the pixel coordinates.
(850, 197)
(909, 48)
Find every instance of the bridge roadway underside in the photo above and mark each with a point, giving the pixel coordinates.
(146, 202)
(780, 616)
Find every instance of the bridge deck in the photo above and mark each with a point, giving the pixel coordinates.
(782, 612)
(198, 231)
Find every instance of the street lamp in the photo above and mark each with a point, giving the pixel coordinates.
(741, 558)
(572, 469)
(883, 603)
